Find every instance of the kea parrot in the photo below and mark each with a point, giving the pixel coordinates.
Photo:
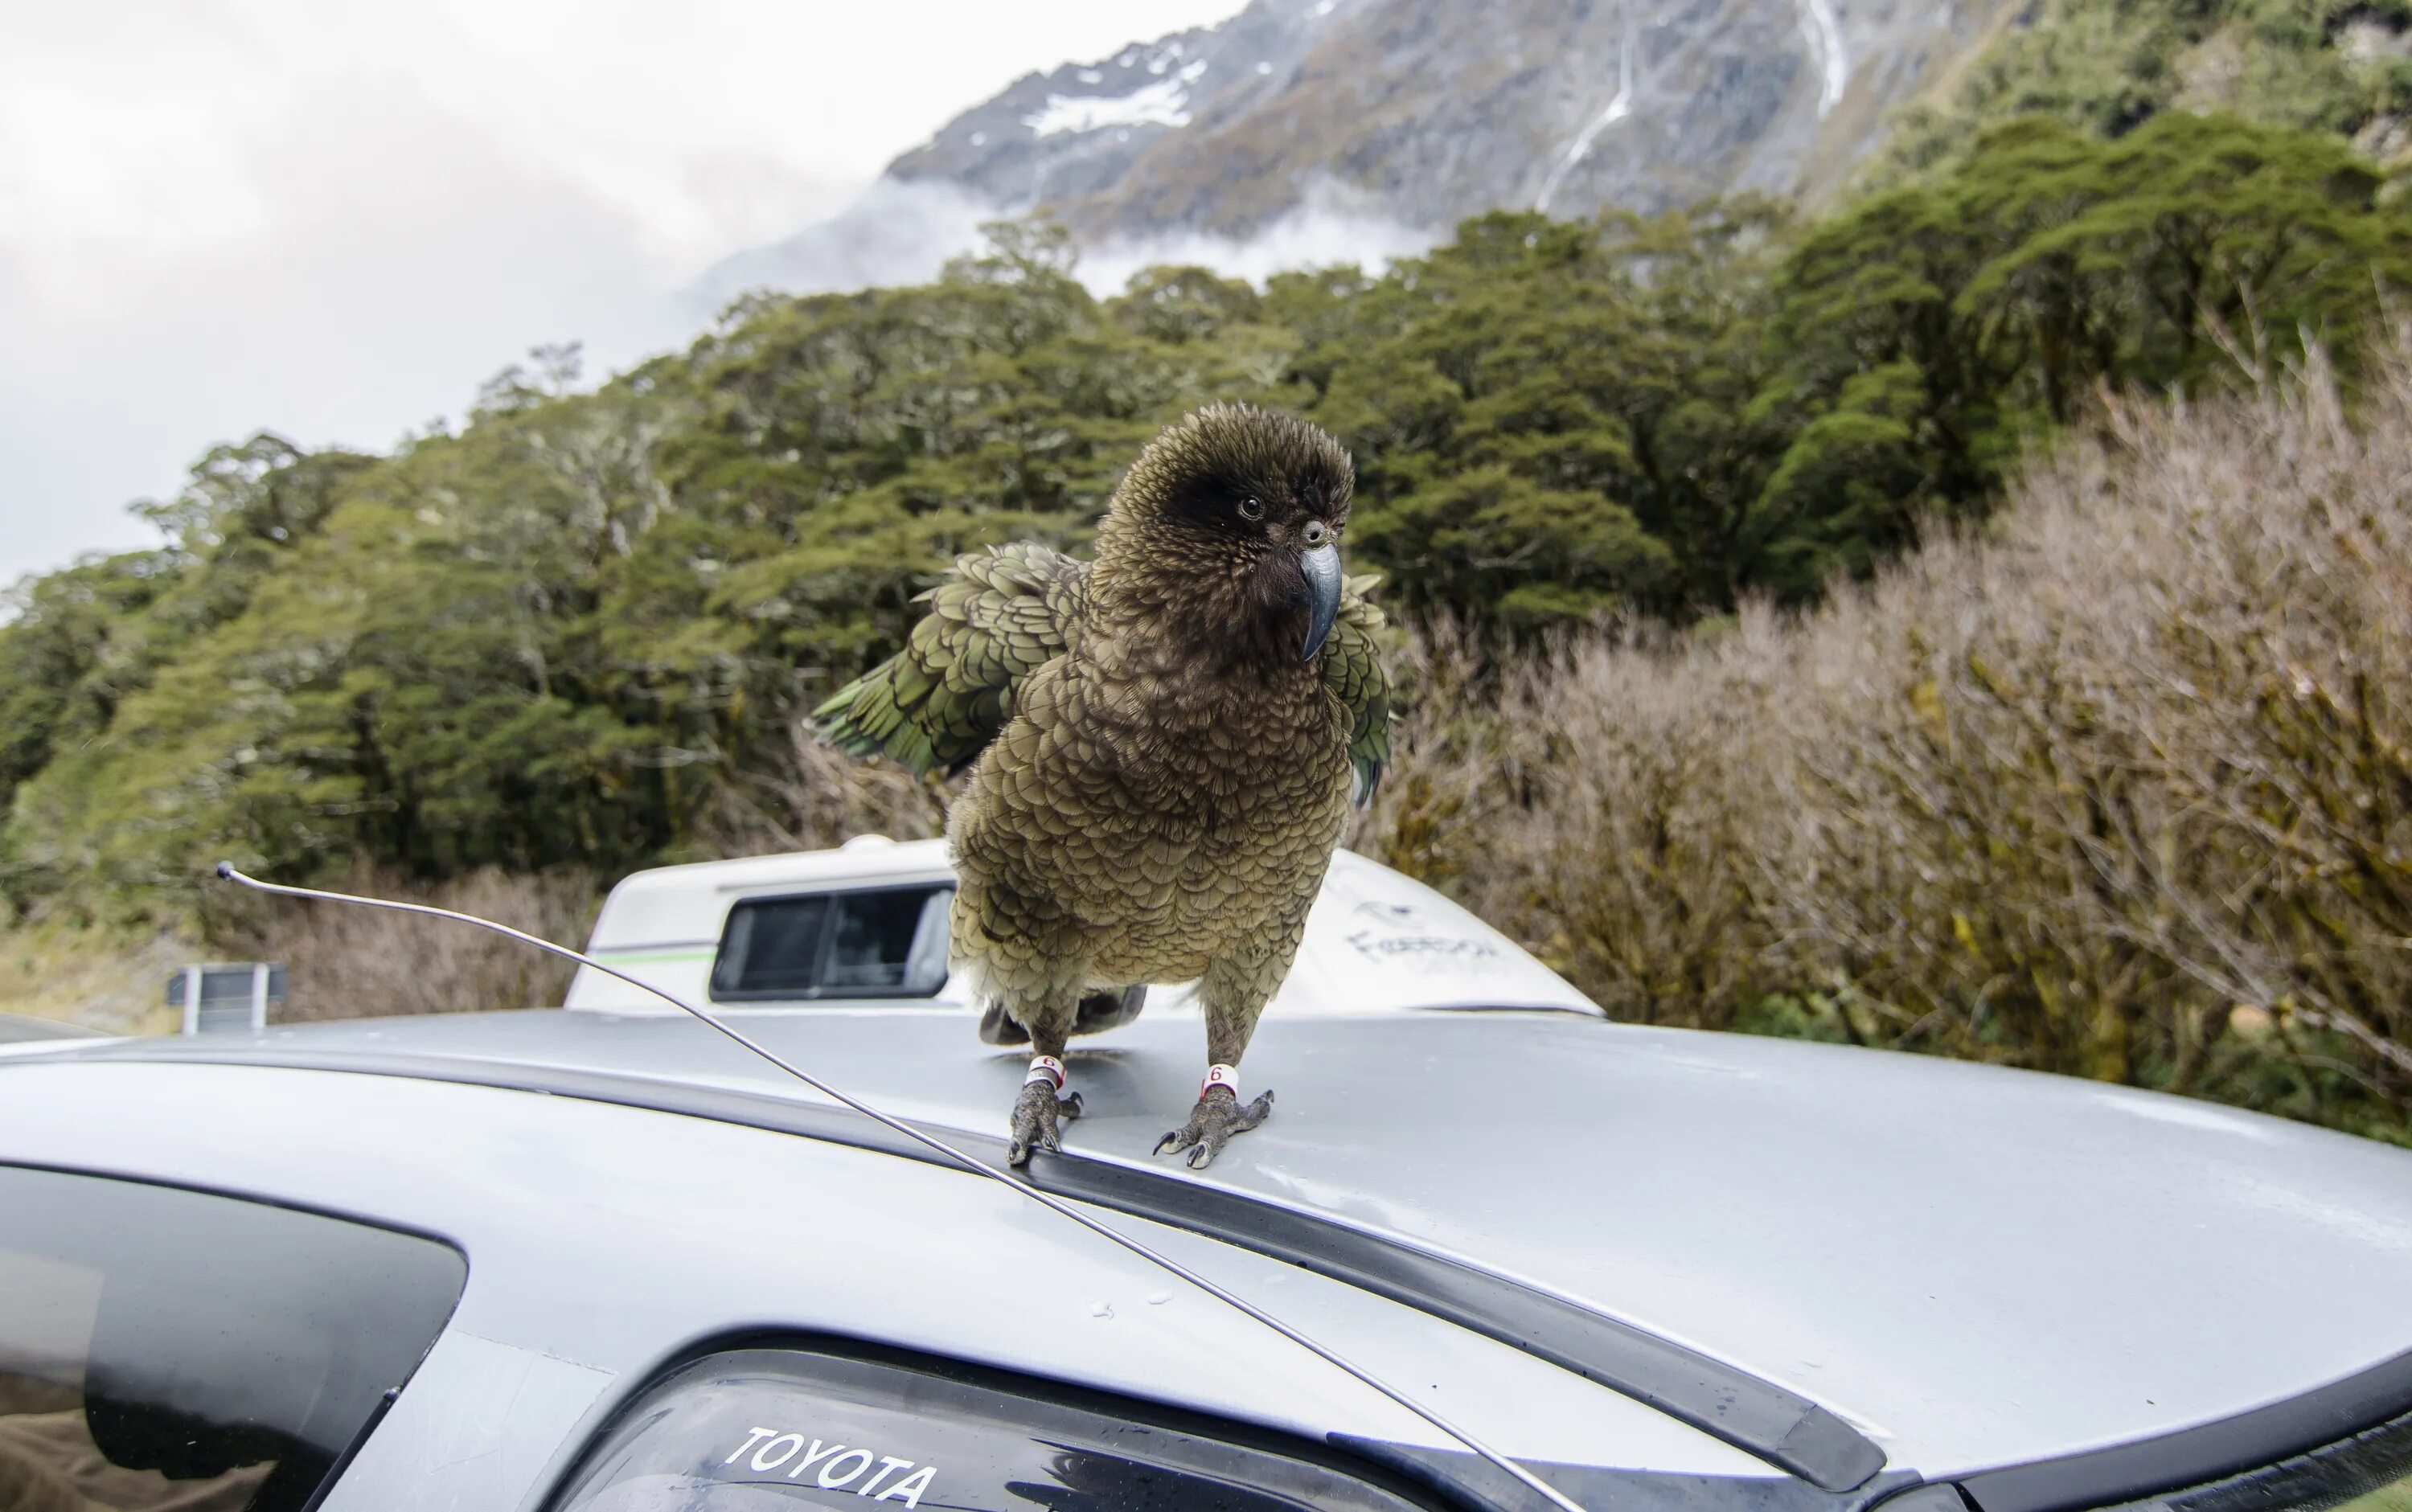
(1164, 744)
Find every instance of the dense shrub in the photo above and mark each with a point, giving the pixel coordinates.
(2120, 787)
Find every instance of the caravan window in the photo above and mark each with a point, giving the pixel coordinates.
(882, 942)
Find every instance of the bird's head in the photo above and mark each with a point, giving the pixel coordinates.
(1228, 527)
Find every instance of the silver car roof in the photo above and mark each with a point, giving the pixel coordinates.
(1964, 1266)
(608, 1244)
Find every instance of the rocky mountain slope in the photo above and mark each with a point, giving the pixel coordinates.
(1408, 115)
(1435, 110)
(1413, 113)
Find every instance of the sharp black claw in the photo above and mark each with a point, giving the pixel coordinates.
(1210, 1125)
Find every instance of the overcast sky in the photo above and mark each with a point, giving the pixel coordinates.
(335, 219)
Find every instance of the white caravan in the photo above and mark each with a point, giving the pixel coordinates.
(863, 927)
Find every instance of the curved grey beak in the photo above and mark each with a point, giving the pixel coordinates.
(1322, 566)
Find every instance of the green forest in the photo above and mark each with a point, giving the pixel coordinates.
(554, 637)
(578, 632)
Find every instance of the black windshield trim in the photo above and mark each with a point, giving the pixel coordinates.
(1754, 1414)
(355, 1216)
(2317, 1420)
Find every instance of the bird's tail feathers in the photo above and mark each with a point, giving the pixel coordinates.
(1100, 1010)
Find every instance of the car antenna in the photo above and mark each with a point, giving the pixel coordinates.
(227, 872)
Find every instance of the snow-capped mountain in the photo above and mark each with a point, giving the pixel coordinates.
(1413, 115)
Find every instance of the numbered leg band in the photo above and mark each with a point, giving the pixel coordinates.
(1045, 1069)
(1225, 1077)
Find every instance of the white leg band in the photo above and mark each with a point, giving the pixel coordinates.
(1045, 1069)
(1225, 1077)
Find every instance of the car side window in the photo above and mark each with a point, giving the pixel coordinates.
(879, 942)
(163, 1348)
(763, 1430)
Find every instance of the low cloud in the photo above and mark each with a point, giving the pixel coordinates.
(904, 232)
(1334, 226)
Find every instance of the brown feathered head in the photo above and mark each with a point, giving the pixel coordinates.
(1227, 527)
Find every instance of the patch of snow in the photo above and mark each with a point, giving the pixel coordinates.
(1620, 104)
(1130, 55)
(1091, 76)
(1161, 104)
(1191, 73)
(1824, 34)
(1320, 9)
(1264, 68)
(1175, 48)
(980, 139)
(1157, 65)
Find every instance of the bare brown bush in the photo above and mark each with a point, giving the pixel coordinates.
(817, 797)
(2122, 788)
(348, 963)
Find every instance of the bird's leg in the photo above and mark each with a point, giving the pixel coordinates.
(1233, 994)
(1039, 1106)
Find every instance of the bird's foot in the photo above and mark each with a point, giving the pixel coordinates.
(1035, 1113)
(1219, 1115)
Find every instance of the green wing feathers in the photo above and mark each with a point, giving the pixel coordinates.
(1004, 613)
(998, 618)
(1352, 669)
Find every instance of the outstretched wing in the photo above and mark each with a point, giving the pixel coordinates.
(1353, 671)
(999, 617)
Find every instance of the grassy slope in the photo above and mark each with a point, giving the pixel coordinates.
(112, 979)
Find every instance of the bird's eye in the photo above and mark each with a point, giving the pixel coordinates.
(1252, 508)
